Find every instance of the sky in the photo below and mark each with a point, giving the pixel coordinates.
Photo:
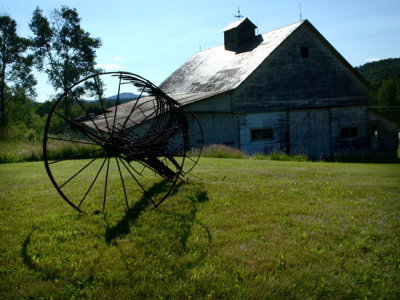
(153, 38)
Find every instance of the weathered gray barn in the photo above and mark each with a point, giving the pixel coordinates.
(284, 90)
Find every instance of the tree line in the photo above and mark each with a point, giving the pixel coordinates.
(384, 77)
(59, 47)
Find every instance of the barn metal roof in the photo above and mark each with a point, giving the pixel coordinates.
(124, 110)
(218, 70)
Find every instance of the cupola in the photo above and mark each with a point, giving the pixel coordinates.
(238, 33)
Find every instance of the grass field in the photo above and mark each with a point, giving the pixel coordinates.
(247, 229)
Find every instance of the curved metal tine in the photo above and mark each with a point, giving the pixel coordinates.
(72, 141)
(91, 119)
(131, 133)
(94, 180)
(105, 185)
(74, 156)
(144, 167)
(125, 133)
(94, 137)
(156, 134)
(139, 184)
(99, 94)
(116, 105)
(131, 112)
(77, 173)
(146, 117)
(123, 183)
(139, 173)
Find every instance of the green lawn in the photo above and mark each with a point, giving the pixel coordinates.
(246, 229)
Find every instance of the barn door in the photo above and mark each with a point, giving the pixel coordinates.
(309, 132)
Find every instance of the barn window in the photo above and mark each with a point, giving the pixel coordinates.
(349, 132)
(304, 52)
(262, 134)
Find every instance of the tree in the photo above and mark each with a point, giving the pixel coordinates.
(62, 48)
(15, 68)
(389, 93)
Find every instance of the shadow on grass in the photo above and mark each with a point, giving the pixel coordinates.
(29, 261)
(123, 226)
(171, 234)
(167, 238)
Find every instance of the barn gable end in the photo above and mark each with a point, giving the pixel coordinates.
(286, 79)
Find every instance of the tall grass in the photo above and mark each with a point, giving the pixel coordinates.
(28, 149)
(12, 151)
(223, 151)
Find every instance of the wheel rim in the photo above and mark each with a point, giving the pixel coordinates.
(95, 153)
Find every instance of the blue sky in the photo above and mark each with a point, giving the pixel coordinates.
(153, 38)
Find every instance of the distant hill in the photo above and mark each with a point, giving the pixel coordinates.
(123, 98)
(378, 71)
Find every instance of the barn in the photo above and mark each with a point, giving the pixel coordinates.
(284, 90)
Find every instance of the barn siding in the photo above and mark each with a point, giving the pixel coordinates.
(342, 117)
(219, 103)
(274, 120)
(219, 129)
(310, 133)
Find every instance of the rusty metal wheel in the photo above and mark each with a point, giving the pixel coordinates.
(133, 145)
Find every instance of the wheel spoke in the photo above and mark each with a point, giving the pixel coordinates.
(152, 169)
(88, 115)
(116, 106)
(139, 184)
(99, 94)
(134, 170)
(106, 183)
(72, 141)
(188, 157)
(131, 112)
(74, 156)
(77, 173)
(94, 180)
(123, 183)
(94, 137)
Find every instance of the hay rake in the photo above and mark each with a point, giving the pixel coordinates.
(130, 149)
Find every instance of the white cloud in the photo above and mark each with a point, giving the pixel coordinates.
(110, 67)
(372, 59)
(118, 58)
